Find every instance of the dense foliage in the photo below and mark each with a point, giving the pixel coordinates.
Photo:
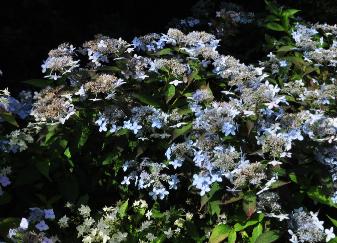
(167, 139)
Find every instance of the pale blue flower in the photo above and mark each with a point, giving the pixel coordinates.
(176, 163)
(173, 182)
(49, 214)
(228, 128)
(4, 181)
(42, 226)
(160, 193)
(202, 183)
(134, 126)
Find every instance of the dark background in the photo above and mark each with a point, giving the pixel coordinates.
(30, 28)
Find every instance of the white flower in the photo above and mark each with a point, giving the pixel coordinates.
(84, 211)
(24, 224)
(126, 180)
(329, 234)
(81, 92)
(148, 214)
(63, 222)
(293, 238)
(176, 82)
(274, 162)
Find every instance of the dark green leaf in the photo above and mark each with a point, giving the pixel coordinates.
(249, 204)
(268, 237)
(275, 26)
(219, 233)
(333, 221)
(123, 208)
(170, 92)
(39, 83)
(148, 100)
(181, 131)
(9, 117)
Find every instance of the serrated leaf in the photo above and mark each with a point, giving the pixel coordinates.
(219, 233)
(170, 92)
(5, 198)
(278, 184)
(275, 26)
(9, 117)
(148, 100)
(257, 231)
(238, 227)
(38, 83)
(286, 48)
(268, 237)
(333, 221)
(232, 236)
(165, 51)
(84, 137)
(43, 167)
(123, 208)
(290, 12)
(249, 204)
(317, 195)
(215, 207)
(181, 131)
(293, 177)
(113, 69)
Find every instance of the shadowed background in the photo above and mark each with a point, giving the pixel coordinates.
(30, 28)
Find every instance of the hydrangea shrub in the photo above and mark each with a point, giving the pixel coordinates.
(167, 140)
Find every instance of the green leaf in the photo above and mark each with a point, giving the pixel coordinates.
(214, 188)
(123, 208)
(39, 83)
(257, 231)
(113, 69)
(165, 51)
(170, 92)
(278, 184)
(286, 48)
(232, 236)
(268, 237)
(6, 224)
(67, 153)
(181, 131)
(68, 186)
(333, 221)
(275, 27)
(5, 198)
(317, 195)
(219, 233)
(272, 7)
(215, 207)
(43, 167)
(84, 137)
(290, 12)
(9, 117)
(249, 204)
(293, 177)
(148, 100)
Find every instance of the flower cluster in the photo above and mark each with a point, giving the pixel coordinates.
(102, 48)
(60, 61)
(36, 221)
(306, 227)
